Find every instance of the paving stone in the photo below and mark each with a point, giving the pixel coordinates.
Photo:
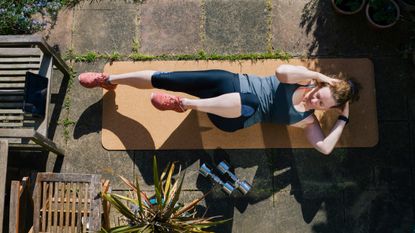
(317, 176)
(262, 216)
(238, 26)
(85, 151)
(413, 159)
(393, 148)
(393, 177)
(104, 31)
(379, 211)
(168, 26)
(308, 215)
(59, 34)
(411, 94)
(357, 166)
(86, 155)
(106, 5)
(291, 38)
(312, 27)
(392, 88)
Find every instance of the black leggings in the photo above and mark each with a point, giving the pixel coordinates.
(208, 84)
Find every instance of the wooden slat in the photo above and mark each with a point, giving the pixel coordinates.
(11, 91)
(12, 79)
(11, 98)
(67, 208)
(86, 206)
(11, 111)
(16, 72)
(15, 52)
(44, 206)
(14, 207)
(73, 207)
(49, 206)
(19, 66)
(55, 208)
(11, 117)
(12, 85)
(19, 59)
(77, 200)
(62, 206)
(95, 217)
(66, 177)
(78, 210)
(4, 152)
(11, 105)
(10, 125)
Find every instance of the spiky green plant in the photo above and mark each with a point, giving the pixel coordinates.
(162, 212)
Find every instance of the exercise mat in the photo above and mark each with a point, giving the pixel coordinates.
(130, 122)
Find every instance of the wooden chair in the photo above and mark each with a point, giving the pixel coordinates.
(63, 203)
(19, 54)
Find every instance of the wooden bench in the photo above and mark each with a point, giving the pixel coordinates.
(19, 54)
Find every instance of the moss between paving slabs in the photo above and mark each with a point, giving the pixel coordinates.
(93, 56)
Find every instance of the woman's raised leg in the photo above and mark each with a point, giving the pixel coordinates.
(226, 105)
(138, 79)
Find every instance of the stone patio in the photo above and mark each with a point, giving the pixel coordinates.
(294, 190)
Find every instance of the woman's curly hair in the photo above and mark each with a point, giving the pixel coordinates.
(347, 89)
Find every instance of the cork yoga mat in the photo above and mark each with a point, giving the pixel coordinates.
(130, 122)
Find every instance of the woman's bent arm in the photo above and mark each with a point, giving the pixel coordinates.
(297, 74)
(316, 137)
(325, 144)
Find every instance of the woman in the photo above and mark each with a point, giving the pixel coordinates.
(235, 101)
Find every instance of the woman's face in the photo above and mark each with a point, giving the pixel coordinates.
(319, 99)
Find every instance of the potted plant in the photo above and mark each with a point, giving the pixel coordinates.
(382, 13)
(161, 212)
(348, 7)
(407, 5)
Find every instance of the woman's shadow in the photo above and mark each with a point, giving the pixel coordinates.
(126, 129)
(217, 202)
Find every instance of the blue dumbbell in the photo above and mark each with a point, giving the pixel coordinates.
(205, 171)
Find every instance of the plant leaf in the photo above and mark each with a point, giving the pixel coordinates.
(127, 229)
(168, 182)
(177, 188)
(121, 207)
(157, 186)
(190, 205)
(138, 192)
(133, 187)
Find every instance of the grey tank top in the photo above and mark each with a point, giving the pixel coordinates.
(275, 100)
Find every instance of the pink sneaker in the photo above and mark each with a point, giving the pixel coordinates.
(91, 80)
(164, 102)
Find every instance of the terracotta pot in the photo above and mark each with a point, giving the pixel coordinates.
(407, 5)
(378, 25)
(345, 12)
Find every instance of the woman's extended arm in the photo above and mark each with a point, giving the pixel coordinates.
(297, 74)
(316, 137)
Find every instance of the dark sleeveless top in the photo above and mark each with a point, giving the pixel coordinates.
(275, 100)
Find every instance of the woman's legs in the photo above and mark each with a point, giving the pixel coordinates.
(139, 79)
(215, 87)
(226, 105)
